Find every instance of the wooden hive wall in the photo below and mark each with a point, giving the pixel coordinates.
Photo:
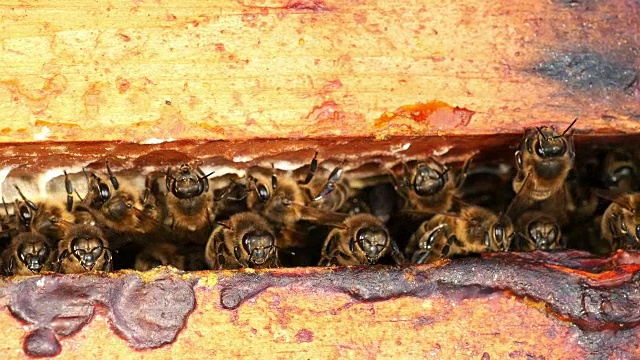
(150, 83)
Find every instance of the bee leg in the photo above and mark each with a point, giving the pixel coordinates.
(313, 167)
(422, 254)
(69, 187)
(112, 178)
(108, 261)
(236, 253)
(396, 254)
(420, 257)
(9, 269)
(65, 254)
(447, 247)
(29, 203)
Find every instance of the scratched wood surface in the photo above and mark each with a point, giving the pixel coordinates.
(148, 71)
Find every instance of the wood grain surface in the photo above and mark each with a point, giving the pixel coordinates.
(151, 71)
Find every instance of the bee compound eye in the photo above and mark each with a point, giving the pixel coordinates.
(499, 232)
(487, 240)
(263, 192)
(519, 159)
(539, 149)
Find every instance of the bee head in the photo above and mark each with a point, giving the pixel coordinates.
(259, 245)
(427, 180)
(372, 241)
(33, 251)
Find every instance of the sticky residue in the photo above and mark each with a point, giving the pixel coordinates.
(137, 309)
(433, 115)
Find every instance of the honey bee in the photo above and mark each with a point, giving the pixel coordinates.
(620, 171)
(83, 248)
(41, 217)
(285, 201)
(360, 239)
(543, 163)
(189, 203)
(327, 191)
(488, 186)
(29, 253)
(428, 187)
(111, 208)
(246, 240)
(472, 231)
(160, 254)
(537, 230)
(620, 225)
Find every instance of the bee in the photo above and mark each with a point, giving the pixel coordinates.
(620, 171)
(620, 224)
(189, 203)
(543, 162)
(429, 187)
(472, 231)
(285, 201)
(246, 240)
(112, 208)
(83, 248)
(160, 254)
(29, 253)
(360, 239)
(488, 186)
(537, 230)
(41, 217)
(324, 190)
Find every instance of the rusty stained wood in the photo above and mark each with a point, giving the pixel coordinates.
(238, 69)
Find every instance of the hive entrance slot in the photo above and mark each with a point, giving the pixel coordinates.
(38, 171)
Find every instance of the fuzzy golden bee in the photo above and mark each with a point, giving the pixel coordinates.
(160, 254)
(113, 208)
(29, 253)
(620, 171)
(429, 187)
(246, 240)
(543, 161)
(189, 203)
(360, 239)
(537, 230)
(284, 201)
(620, 226)
(41, 217)
(83, 248)
(471, 231)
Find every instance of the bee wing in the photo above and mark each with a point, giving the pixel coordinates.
(619, 197)
(520, 202)
(320, 216)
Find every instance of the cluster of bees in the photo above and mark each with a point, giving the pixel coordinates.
(417, 211)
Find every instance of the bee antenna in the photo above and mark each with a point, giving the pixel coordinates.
(569, 127)
(57, 220)
(86, 176)
(405, 175)
(79, 197)
(6, 209)
(444, 173)
(539, 128)
(30, 203)
(114, 180)
(284, 250)
(204, 177)
(223, 225)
